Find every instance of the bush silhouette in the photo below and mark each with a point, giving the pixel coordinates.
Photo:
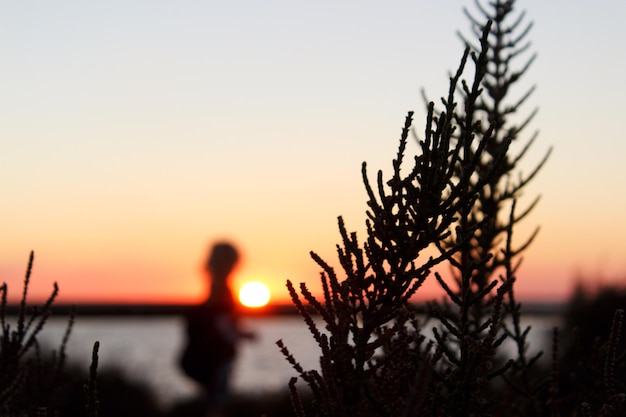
(456, 205)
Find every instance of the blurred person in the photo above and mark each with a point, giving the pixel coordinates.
(213, 334)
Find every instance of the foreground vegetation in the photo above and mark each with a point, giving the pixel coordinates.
(453, 206)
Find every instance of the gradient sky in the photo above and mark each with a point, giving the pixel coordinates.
(135, 133)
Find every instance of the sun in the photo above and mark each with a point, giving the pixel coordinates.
(254, 294)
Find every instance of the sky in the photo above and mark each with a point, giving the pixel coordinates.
(137, 133)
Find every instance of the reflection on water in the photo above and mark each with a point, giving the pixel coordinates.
(147, 348)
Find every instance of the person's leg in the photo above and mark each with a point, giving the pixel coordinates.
(219, 392)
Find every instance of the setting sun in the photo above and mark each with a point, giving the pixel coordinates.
(254, 294)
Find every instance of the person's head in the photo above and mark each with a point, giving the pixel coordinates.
(222, 260)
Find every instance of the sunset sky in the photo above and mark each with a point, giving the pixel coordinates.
(136, 133)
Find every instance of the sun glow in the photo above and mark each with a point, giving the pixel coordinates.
(254, 294)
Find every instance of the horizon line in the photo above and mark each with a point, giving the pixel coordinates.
(539, 307)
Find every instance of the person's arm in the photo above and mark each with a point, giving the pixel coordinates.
(229, 330)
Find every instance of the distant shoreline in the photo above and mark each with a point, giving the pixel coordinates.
(122, 309)
(535, 308)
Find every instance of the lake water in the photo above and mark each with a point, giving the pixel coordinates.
(147, 349)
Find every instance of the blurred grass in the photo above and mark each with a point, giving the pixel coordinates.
(122, 396)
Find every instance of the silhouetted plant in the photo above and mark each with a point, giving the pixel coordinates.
(592, 374)
(32, 381)
(25, 385)
(460, 198)
(481, 308)
(91, 387)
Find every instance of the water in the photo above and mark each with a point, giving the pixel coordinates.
(147, 348)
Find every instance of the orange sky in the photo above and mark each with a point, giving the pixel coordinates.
(135, 135)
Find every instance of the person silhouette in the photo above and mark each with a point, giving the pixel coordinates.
(213, 333)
